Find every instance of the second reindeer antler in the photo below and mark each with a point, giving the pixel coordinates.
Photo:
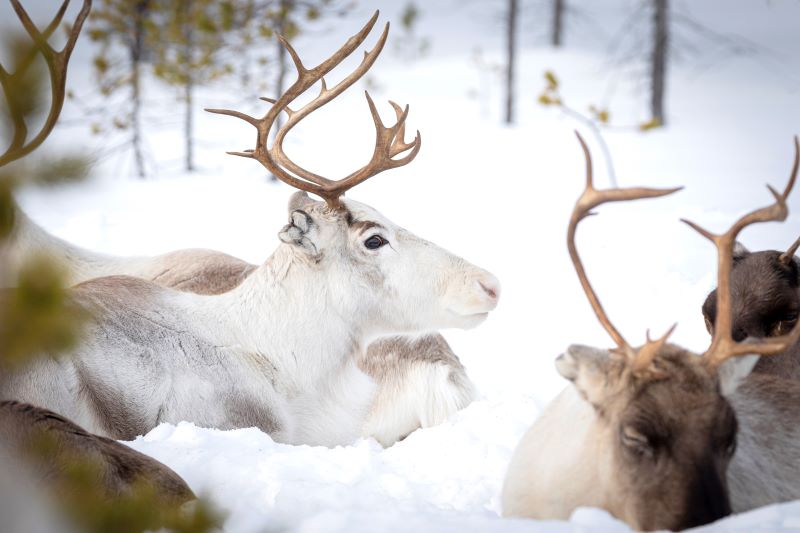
(389, 141)
(57, 62)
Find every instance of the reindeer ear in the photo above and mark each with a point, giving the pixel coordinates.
(739, 251)
(301, 231)
(300, 200)
(733, 371)
(588, 369)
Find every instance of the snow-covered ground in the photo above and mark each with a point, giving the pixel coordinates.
(500, 197)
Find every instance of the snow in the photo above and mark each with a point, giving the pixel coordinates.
(500, 197)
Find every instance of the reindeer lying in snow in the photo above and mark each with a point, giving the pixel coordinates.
(276, 351)
(765, 291)
(36, 445)
(658, 436)
(420, 381)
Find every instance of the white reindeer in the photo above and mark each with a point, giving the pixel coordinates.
(651, 434)
(420, 381)
(277, 350)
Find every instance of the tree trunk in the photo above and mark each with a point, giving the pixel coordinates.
(189, 124)
(189, 86)
(511, 33)
(140, 12)
(280, 77)
(557, 29)
(658, 77)
(286, 7)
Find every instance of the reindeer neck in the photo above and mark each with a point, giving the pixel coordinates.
(285, 311)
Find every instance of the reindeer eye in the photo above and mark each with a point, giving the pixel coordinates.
(375, 242)
(636, 441)
(731, 449)
(782, 327)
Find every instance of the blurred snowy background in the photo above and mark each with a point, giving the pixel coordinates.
(498, 194)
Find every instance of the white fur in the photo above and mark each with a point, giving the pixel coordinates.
(282, 341)
(425, 396)
(733, 371)
(558, 465)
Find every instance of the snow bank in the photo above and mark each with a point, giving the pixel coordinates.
(498, 196)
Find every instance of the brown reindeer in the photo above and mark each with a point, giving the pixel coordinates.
(650, 433)
(765, 292)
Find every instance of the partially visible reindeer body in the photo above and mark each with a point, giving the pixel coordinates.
(191, 270)
(37, 446)
(765, 290)
(119, 469)
(650, 433)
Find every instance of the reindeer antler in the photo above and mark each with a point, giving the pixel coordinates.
(57, 63)
(389, 141)
(722, 345)
(788, 255)
(589, 199)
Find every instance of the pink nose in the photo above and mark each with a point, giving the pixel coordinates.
(491, 288)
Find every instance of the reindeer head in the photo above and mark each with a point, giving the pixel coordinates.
(765, 287)
(663, 417)
(400, 281)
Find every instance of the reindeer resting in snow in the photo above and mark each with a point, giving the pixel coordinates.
(275, 352)
(23, 427)
(661, 437)
(765, 292)
(420, 381)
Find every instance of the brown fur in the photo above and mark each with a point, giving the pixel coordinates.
(765, 297)
(689, 427)
(202, 271)
(23, 427)
(392, 354)
(671, 435)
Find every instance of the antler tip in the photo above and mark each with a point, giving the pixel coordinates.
(672, 190)
(705, 233)
(246, 153)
